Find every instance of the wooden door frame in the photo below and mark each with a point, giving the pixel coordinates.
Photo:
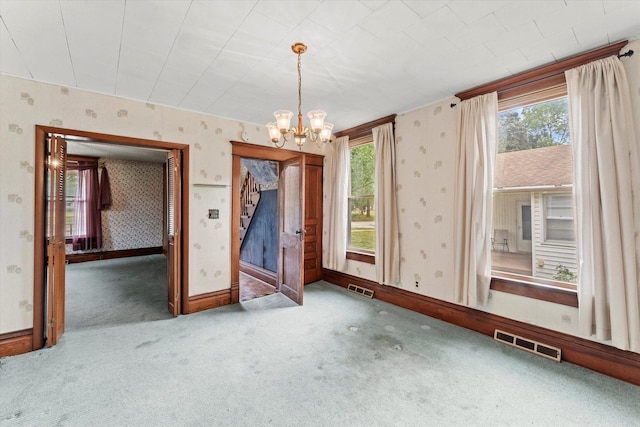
(244, 150)
(39, 235)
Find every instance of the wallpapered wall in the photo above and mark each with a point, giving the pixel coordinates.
(26, 103)
(134, 219)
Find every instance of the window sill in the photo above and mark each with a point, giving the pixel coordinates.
(558, 292)
(362, 257)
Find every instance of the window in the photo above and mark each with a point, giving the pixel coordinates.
(362, 214)
(559, 218)
(70, 203)
(546, 83)
(71, 186)
(532, 195)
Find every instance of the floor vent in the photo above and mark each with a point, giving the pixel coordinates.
(360, 291)
(531, 346)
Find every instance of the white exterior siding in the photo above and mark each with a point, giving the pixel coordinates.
(548, 255)
(505, 214)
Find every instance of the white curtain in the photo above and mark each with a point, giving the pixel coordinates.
(476, 156)
(607, 201)
(386, 207)
(338, 165)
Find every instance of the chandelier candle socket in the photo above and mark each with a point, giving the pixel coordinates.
(318, 130)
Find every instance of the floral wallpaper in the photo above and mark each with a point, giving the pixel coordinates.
(134, 219)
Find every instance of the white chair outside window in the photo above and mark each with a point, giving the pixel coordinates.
(500, 240)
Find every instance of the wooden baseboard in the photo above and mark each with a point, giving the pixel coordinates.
(624, 365)
(123, 253)
(235, 293)
(209, 300)
(258, 272)
(14, 343)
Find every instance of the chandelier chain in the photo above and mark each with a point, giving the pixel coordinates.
(299, 85)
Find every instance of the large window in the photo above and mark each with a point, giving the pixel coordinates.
(361, 202)
(533, 217)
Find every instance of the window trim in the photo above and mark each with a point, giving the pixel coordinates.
(359, 253)
(357, 135)
(541, 81)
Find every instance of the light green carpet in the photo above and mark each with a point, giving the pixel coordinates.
(340, 360)
(116, 291)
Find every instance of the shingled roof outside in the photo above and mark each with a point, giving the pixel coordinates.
(547, 166)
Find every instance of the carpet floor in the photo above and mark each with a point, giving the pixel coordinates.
(116, 291)
(339, 360)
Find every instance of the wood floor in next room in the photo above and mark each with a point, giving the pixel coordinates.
(251, 288)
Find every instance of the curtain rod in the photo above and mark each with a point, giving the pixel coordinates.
(622, 55)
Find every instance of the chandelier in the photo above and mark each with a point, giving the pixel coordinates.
(318, 131)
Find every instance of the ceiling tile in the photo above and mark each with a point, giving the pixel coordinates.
(12, 62)
(94, 58)
(40, 39)
(440, 23)
(516, 13)
(152, 26)
(486, 28)
(621, 23)
(574, 13)
(521, 36)
(391, 18)
(339, 17)
(288, 13)
(564, 37)
(424, 8)
(471, 10)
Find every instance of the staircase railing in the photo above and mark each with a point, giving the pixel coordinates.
(248, 189)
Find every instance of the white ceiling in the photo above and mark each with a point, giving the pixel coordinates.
(100, 149)
(366, 59)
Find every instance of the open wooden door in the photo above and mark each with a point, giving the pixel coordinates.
(173, 230)
(56, 167)
(291, 232)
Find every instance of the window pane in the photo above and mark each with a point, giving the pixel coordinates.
(362, 170)
(71, 188)
(532, 195)
(361, 201)
(362, 221)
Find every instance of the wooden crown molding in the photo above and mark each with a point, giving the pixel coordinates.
(541, 77)
(365, 128)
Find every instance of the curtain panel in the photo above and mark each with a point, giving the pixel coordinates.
(87, 224)
(105, 190)
(338, 171)
(607, 202)
(386, 207)
(475, 163)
